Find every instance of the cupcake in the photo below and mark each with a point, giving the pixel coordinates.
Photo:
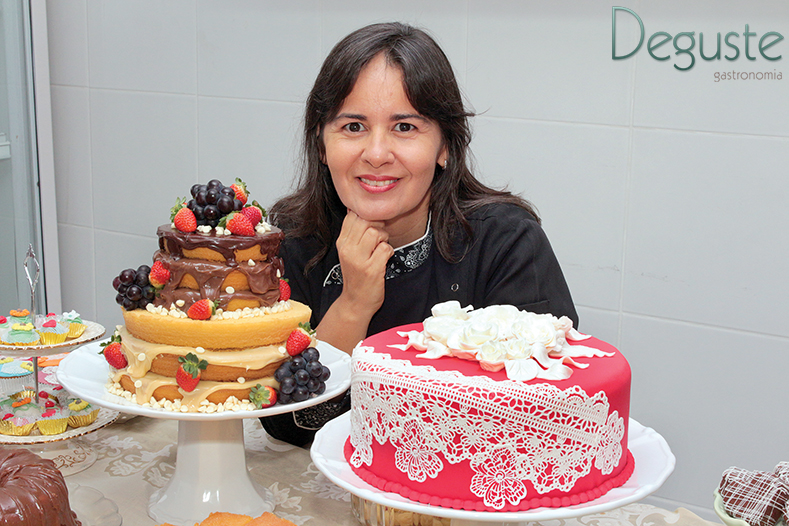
(21, 334)
(14, 372)
(74, 323)
(81, 413)
(19, 418)
(54, 421)
(11, 424)
(52, 332)
(18, 426)
(19, 316)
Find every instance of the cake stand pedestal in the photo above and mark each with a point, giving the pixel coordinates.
(653, 458)
(211, 472)
(210, 475)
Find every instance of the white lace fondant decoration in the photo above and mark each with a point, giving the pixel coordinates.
(509, 431)
(528, 346)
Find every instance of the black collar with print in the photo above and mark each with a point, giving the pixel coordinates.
(404, 260)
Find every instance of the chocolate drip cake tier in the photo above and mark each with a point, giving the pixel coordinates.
(236, 271)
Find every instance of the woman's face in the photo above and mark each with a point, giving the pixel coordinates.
(382, 154)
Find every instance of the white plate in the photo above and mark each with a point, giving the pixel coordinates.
(654, 463)
(85, 372)
(92, 507)
(93, 331)
(104, 418)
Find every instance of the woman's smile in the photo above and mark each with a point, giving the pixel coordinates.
(376, 184)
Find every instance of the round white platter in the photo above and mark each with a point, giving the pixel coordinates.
(93, 331)
(85, 372)
(653, 458)
(213, 475)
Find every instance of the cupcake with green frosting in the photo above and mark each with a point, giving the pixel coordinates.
(21, 334)
(19, 316)
(81, 413)
(74, 322)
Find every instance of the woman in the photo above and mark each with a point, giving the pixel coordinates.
(387, 219)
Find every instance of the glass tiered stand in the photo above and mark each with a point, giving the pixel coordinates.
(70, 454)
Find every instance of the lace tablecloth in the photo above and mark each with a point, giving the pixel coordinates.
(137, 457)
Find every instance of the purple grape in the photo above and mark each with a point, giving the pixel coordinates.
(313, 385)
(282, 372)
(297, 362)
(302, 377)
(284, 398)
(226, 190)
(134, 293)
(196, 188)
(311, 354)
(129, 304)
(119, 299)
(211, 196)
(237, 204)
(211, 212)
(141, 280)
(127, 276)
(116, 282)
(315, 369)
(321, 389)
(325, 374)
(288, 385)
(214, 183)
(301, 394)
(200, 198)
(224, 204)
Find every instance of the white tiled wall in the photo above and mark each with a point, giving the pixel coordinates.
(663, 192)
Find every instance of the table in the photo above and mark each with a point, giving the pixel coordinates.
(136, 457)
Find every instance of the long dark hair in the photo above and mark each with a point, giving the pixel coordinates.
(432, 90)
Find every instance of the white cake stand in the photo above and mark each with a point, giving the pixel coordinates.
(211, 472)
(654, 463)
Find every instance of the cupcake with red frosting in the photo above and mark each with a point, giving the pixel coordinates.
(52, 332)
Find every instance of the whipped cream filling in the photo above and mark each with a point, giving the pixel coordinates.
(527, 345)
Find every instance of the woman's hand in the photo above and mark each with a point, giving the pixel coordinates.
(364, 250)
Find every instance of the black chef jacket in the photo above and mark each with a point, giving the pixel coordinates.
(509, 262)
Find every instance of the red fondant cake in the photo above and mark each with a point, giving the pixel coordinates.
(446, 432)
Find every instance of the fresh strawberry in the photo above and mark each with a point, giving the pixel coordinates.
(240, 187)
(238, 224)
(284, 290)
(113, 353)
(254, 212)
(183, 218)
(263, 396)
(202, 309)
(299, 339)
(188, 374)
(159, 274)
